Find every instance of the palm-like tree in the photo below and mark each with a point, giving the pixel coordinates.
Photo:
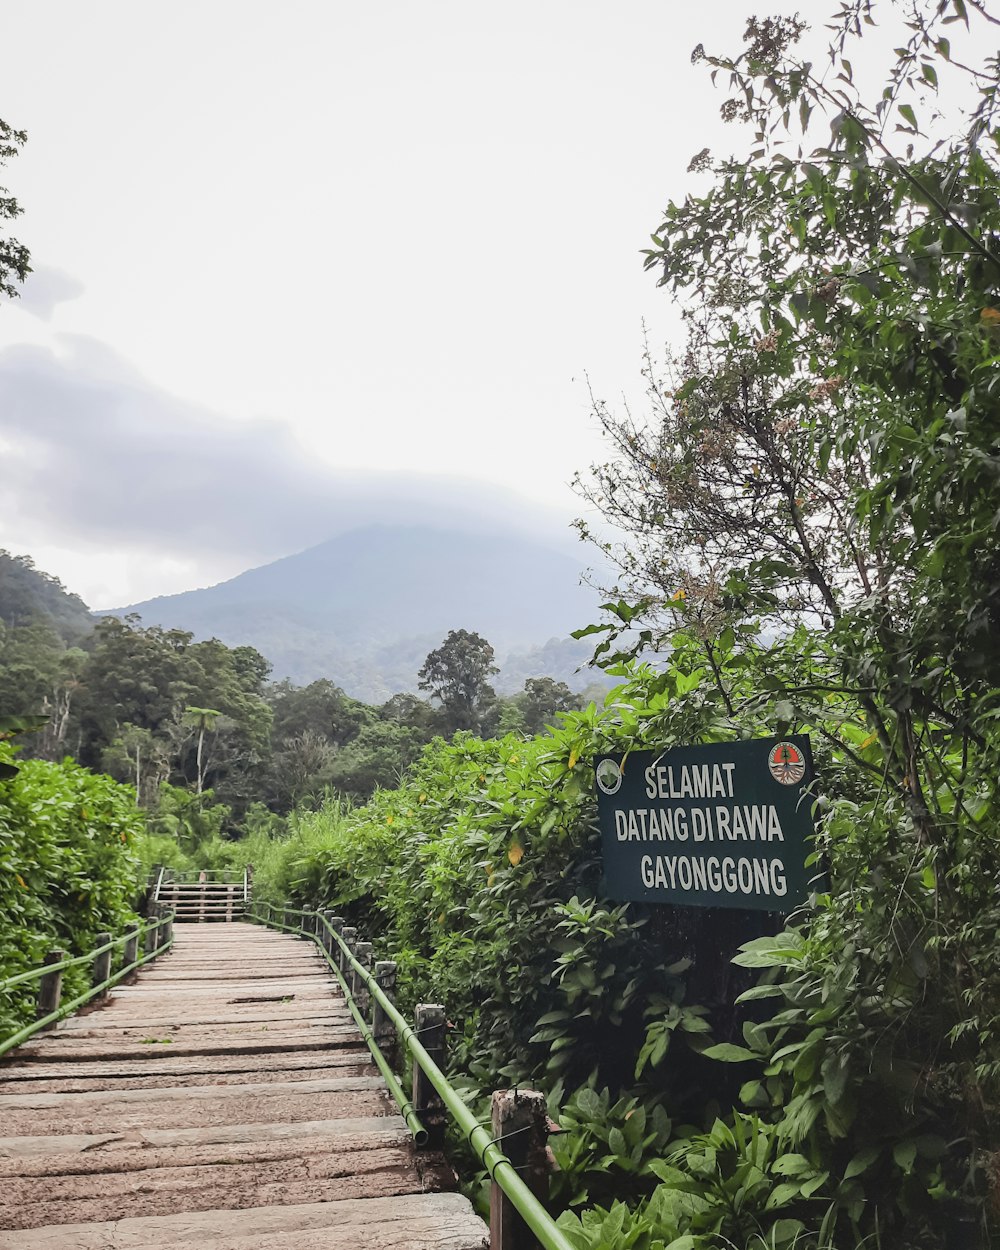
(202, 720)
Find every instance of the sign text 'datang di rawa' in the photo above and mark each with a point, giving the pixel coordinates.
(724, 825)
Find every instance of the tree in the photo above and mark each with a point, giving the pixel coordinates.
(137, 757)
(457, 675)
(825, 450)
(202, 721)
(300, 767)
(408, 709)
(813, 500)
(534, 707)
(377, 758)
(541, 699)
(14, 256)
(321, 708)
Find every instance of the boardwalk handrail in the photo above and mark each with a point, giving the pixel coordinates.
(132, 936)
(501, 1170)
(202, 876)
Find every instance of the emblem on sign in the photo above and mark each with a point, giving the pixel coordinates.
(609, 776)
(786, 763)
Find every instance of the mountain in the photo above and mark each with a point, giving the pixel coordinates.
(30, 597)
(365, 608)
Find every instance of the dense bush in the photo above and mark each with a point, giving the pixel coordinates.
(847, 1098)
(68, 870)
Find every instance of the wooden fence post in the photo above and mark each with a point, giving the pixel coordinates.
(429, 1024)
(349, 936)
(308, 920)
(520, 1129)
(382, 1027)
(322, 932)
(337, 924)
(50, 986)
(102, 963)
(363, 954)
(131, 952)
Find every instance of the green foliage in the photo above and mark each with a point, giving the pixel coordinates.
(190, 819)
(14, 256)
(606, 1146)
(457, 674)
(68, 870)
(813, 499)
(731, 1186)
(538, 705)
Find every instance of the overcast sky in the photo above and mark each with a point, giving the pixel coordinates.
(291, 258)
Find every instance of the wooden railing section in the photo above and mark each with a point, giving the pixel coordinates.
(206, 895)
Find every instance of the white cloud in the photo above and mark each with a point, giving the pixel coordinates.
(159, 493)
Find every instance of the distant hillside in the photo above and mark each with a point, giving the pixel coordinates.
(30, 597)
(365, 608)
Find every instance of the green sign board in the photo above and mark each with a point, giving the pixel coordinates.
(725, 825)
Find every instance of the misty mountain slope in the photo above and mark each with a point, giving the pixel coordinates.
(365, 608)
(28, 596)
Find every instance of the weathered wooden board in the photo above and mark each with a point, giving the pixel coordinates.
(407, 1222)
(234, 1181)
(161, 1148)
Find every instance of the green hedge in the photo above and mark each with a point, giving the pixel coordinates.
(68, 870)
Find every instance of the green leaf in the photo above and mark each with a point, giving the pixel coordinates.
(906, 111)
(862, 1161)
(727, 1052)
(905, 1153)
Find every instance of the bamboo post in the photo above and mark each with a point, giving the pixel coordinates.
(50, 986)
(102, 963)
(429, 1024)
(382, 1027)
(520, 1128)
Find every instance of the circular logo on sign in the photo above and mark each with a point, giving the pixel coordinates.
(786, 763)
(609, 776)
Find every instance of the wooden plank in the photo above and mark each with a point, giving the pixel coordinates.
(258, 1142)
(68, 1104)
(90, 1084)
(109, 1143)
(240, 1043)
(406, 1222)
(165, 1064)
(223, 1104)
(163, 1190)
(210, 1017)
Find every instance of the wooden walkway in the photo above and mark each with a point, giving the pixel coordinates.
(224, 1101)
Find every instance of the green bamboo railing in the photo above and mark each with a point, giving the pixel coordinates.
(138, 933)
